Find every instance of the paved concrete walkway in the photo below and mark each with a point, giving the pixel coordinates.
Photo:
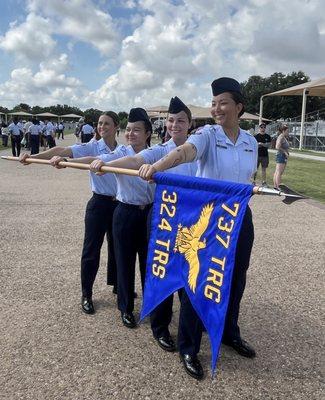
(51, 350)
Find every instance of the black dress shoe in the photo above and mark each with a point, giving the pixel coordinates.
(166, 343)
(192, 366)
(242, 347)
(128, 320)
(87, 305)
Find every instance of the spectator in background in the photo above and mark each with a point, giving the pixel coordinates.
(20, 125)
(4, 134)
(87, 132)
(264, 142)
(34, 133)
(50, 134)
(15, 136)
(61, 130)
(282, 147)
(26, 134)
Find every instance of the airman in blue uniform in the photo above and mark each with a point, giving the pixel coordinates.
(223, 151)
(135, 198)
(100, 208)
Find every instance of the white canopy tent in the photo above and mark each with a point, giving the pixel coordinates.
(70, 116)
(47, 115)
(20, 114)
(312, 88)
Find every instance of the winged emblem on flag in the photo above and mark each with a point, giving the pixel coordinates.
(188, 242)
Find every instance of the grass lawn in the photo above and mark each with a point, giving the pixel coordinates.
(311, 152)
(305, 176)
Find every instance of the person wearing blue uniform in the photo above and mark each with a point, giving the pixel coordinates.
(34, 132)
(178, 123)
(135, 197)
(100, 208)
(224, 152)
(15, 137)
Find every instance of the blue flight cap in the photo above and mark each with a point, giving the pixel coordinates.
(224, 84)
(138, 114)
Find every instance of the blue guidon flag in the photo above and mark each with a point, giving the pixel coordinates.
(194, 231)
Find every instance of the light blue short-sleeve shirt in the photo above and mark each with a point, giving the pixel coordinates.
(219, 158)
(131, 189)
(100, 184)
(155, 153)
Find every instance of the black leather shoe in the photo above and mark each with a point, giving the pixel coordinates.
(166, 343)
(242, 347)
(87, 305)
(128, 320)
(192, 366)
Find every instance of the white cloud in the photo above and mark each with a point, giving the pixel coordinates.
(175, 48)
(46, 87)
(82, 20)
(29, 41)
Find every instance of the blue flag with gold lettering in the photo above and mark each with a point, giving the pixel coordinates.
(194, 231)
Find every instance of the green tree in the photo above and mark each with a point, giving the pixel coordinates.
(123, 117)
(22, 107)
(92, 115)
(275, 107)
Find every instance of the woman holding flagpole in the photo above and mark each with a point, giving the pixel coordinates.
(135, 198)
(224, 152)
(100, 208)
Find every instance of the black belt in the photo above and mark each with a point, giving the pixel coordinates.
(136, 206)
(104, 197)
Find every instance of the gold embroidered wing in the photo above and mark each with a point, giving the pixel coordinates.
(194, 267)
(199, 228)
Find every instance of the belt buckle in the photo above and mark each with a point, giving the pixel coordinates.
(142, 207)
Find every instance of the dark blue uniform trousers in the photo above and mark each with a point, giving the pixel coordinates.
(98, 222)
(130, 239)
(34, 144)
(190, 326)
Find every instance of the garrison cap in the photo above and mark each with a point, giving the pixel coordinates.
(138, 114)
(176, 105)
(224, 84)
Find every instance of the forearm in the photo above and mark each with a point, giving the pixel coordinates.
(83, 160)
(54, 151)
(182, 154)
(127, 162)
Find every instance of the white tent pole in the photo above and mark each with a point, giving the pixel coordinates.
(261, 111)
(303, 114)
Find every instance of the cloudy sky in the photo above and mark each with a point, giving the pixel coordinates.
(112, 54)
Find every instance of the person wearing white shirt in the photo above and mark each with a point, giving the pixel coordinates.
(60, 130)
(100, 207)
(224, 152)
(34, 132)
(15, 137)
(130, 217)
(4, 134)
(50, 134)
(87, 132)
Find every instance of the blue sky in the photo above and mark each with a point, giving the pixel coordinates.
(114, 55)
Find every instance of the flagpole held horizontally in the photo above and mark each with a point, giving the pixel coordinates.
(259, 190)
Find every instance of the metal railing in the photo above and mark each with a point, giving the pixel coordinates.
(314, 130)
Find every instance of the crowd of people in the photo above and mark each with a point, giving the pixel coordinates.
(120, 206)
(31, 134)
